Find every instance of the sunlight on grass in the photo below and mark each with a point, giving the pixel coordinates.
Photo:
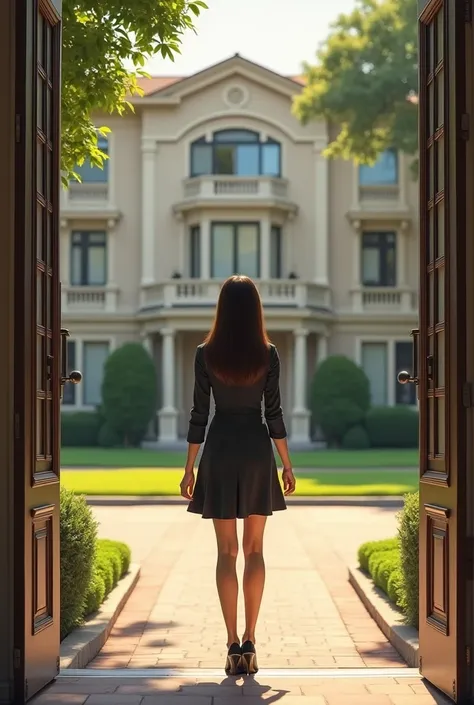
(165, 483)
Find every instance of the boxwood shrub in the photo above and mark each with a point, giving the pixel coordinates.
(392, 427)
(111, 563)
(80, 429)
(366, 550)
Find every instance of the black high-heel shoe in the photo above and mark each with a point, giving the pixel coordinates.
(249, 658)
(234, 656)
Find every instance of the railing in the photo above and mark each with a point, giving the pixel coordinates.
(196, 292)
(88, 299)
(225, 187)
(379, 197)
(85, 195)
(384, 299)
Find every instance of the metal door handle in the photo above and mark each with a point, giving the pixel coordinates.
(74, 377)
(405, 377)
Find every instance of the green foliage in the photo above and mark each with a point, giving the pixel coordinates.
(364, 80)
(340, 397)
(111, 563)
(78, 534)
(124, 552)
(95, 594)
(367, 549)
(396, 586)
(109, 437)
(129, 392)
(105, 569)
(409, 527)
(381, 566)
(392, 427)
(105, 46)
(79, 429)
(356, 438)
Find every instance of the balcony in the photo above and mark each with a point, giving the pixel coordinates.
(385, 301)
(88, 300)
(87, 200)
(276, 293)
(259, 191)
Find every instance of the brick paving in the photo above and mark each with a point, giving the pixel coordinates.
(310, 619)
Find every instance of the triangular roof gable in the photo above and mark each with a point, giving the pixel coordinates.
(233, 66)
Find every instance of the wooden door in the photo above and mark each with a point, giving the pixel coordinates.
(444, 654)
(37, 346)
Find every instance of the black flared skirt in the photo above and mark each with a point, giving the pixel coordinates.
(237, 475)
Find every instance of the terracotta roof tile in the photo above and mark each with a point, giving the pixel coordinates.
(157, 83)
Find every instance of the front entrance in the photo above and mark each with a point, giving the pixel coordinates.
(32, 339)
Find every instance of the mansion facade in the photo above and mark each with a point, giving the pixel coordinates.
(212, 175)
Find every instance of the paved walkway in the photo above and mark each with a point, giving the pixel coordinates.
(312, 627)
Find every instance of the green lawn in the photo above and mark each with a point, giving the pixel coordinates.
(165, 482)
(325, 459)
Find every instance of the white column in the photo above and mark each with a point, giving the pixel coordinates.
(301, 415)
(149, 151)
(205, 248)
(322, 349)
(265, 248)
(168, 415)
(321, 201)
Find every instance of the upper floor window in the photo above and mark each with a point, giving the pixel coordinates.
(237, 153)
(88, 258)
(276, 247)
(195, 252)
(383, 173)
(235, 249)
(93, 174)
(379, 259)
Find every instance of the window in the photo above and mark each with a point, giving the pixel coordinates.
(275, 252)
(235, 249)
(94, 357)
(379, 259)
(93, 174)
(69, 390)
(383, 173)
(237, 153)
(88, 259)
(374, 364)
(195, 252)
(404, 393)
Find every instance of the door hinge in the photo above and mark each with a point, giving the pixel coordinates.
(17, 128)
(16, 659)
(468, 395)
(468, 655)
(465, 126)
(468, 10)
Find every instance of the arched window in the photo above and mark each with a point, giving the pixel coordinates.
(237, 153)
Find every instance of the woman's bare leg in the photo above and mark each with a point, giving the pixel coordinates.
(254, 574)
(226, 574)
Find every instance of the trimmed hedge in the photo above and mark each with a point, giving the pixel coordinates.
(356, 438)
(90, 567)
(392, 427)
(80, 429)
(393, 563)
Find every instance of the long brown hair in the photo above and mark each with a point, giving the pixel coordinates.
(237, 346)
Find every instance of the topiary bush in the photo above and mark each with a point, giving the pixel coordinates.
(109, 437)
(367, 549)
(78, 536)
(106, 570)
(392, 427)
(95, 594)
(396, 587)
(124, 552)
(356, 438)
(79, 429)
(409, 527)
(382, 565)
(340, 397)
(129, 393)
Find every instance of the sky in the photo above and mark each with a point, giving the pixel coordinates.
(279, 34)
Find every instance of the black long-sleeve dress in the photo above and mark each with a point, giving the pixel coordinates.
(237, 475)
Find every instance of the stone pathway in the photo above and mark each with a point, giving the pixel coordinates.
(314, 634)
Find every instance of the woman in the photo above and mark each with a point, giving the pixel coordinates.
(237, 475)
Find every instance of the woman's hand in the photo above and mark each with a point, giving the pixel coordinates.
(289, 481)
(187, 484)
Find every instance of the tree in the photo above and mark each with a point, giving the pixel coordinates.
(365, 81)
(128, 393)
(340, 397)
(99, 38)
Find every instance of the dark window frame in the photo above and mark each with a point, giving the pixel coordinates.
(195, 251)
(395, 182)
(70, 390)
(279, 258)
(384, 247)
(85, 344)
(84, 247)
(404, 362)
(215, 143)
(103, 174)
(235, 225)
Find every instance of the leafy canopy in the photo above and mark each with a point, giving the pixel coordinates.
(365, 81)
(101, 37)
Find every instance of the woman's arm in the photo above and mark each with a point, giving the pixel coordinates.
(197, 422)
(275, 422)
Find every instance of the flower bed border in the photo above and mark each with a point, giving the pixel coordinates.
(388, 618)
(85, 642)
